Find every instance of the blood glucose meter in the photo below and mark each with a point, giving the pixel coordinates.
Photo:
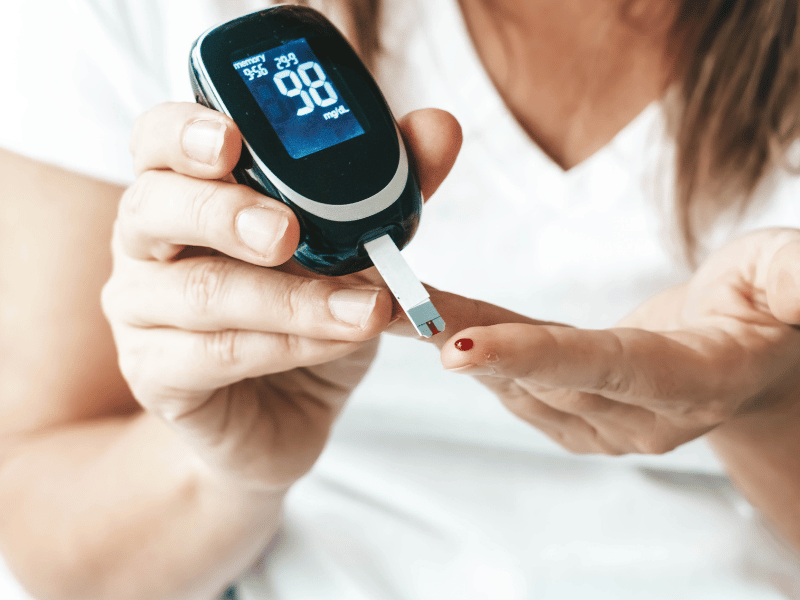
(319, 136)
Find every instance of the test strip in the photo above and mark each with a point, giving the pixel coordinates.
(410, 293)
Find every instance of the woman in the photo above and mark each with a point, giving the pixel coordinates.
(242, 362)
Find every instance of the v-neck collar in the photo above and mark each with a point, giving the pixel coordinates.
(491, 124)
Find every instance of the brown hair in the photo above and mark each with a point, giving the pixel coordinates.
(737, 106)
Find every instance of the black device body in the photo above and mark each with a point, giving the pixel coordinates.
(361, 184)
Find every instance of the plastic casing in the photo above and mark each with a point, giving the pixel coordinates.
(356, 173)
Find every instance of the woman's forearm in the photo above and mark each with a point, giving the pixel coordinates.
(761, 453)
(119, 509)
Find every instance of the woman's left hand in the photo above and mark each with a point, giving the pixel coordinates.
(724, 346)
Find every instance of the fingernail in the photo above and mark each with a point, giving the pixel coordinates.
(261, 228)
(203, 141)
(473, 370)
(353, 307)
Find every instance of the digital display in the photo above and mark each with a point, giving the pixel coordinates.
(299, 100)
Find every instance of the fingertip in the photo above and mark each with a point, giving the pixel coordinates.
(290, 241)
(383, 314)
(212, 143)
(187, 138)
(364, 311)
(227, 147)
(783, 284)
(434, 139)
(269, 231)
(464, 349)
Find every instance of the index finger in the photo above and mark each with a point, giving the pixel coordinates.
(633, 366)
(187, 138)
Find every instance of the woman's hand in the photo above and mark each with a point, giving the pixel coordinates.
(718, 349)
(250, 361)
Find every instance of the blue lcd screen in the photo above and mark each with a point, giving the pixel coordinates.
(299, 100)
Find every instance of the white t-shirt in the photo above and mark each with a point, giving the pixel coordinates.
(429, 488)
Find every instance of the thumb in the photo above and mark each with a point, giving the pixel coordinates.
(434, 139)
(783, 283)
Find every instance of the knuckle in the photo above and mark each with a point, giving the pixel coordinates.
(200, 204)
(223, 348)
(297, 298)
(204, 284)
(134, 199)
(293, 346)
(582, 402)
(613, 382)
(290, 300)
(612, 379)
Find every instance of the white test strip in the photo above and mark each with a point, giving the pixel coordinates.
(405, 286)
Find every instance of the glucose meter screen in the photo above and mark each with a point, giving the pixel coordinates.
(299, 100)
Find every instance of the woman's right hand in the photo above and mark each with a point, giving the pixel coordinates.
(249, 362)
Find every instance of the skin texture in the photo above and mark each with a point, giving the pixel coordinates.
(595, 66)
(690, 359)
(233, 365)
(241, 367)
(719, 354)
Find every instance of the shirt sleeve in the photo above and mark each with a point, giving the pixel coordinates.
(74, 79)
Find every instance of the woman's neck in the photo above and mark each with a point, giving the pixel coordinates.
(573, 72)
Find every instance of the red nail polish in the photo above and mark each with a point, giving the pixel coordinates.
(465, 344)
